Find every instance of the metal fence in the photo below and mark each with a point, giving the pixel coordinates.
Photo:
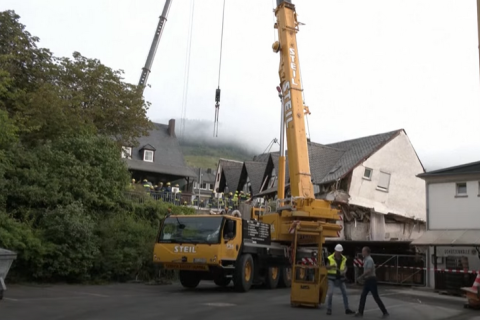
(398, 269)
(180, 199)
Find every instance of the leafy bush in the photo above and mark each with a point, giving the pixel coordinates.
(25, 241)
(72, 243)
(126, 246)
(63, 207)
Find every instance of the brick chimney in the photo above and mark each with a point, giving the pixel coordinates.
(171, 128)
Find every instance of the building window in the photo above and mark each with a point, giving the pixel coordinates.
(461, 189)
(127, 152)
(384, 181)
(367, 174)
(203, 185)
(148, 155)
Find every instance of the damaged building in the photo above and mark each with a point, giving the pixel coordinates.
(376, 175)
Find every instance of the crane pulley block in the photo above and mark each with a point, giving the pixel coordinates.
(217, 95)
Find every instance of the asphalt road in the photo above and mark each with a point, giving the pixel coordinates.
(172, 302)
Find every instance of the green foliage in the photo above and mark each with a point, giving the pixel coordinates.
(126, 248)
(72, 245)
(21, 238)
(63, 207)
(86, 169)
(206, 156)
(50, 97)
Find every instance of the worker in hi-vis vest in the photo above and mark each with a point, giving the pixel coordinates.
(337, 268)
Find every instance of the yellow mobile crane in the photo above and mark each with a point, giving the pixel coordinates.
(285, 245)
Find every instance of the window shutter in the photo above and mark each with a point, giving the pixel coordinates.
(384, 180)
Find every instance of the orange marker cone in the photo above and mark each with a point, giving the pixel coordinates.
(476, 285)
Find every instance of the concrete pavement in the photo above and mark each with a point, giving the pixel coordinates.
(172, 302)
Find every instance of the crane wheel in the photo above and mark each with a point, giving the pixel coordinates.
(189, 279)
(222, 282)
(273, 277)
(244, 273)
(285, 278)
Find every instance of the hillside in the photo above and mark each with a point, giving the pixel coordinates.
(206, 156)
(201, 149)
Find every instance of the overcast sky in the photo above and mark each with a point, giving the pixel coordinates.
(368, 66)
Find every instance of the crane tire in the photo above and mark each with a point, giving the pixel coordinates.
(285, 278)
(244, 273)
(189, 279)
(273, 277)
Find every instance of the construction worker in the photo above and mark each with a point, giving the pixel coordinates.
(221, 202)
(146, 185)
(168, 192)
(230, 201)
(337, 267)
(178, 195)
(370, 284)
(243, 196)
(235, 200)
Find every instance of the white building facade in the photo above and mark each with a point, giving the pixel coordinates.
(452, 239)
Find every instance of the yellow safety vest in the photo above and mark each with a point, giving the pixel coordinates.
(332, 262)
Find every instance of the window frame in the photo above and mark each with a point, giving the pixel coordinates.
(145, 155)
(461, 195)
(371, 174)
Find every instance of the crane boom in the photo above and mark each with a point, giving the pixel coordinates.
(293, 108)
(153, 48)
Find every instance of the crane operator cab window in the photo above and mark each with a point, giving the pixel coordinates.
(230, 229)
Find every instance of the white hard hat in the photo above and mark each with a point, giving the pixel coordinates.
(339, 248)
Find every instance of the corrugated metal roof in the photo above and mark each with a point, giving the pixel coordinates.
(448, 238)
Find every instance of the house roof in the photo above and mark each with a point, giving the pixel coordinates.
(355, 152)
(468, 168)
(168, 158)
(256, 172)
(330, 162)
(232, 171)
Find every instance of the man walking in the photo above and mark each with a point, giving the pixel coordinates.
(370, 284)
(336, 266)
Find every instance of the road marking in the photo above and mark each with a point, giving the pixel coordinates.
(219, 304)
(10, 299)
(79, 292)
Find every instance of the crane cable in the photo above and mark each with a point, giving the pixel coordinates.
(217, 91)
(187, 73)
(221, 44)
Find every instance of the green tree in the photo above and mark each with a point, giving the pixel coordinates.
(72, 244)
(87, 169)
(50, 97)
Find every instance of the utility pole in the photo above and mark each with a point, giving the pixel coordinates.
(199, 187)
